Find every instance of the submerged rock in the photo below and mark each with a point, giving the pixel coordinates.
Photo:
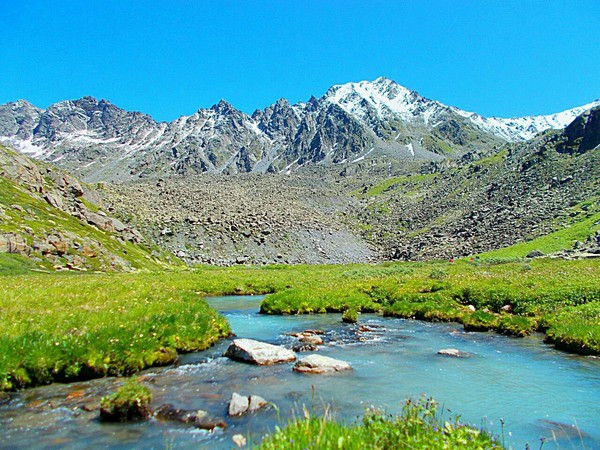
(321, 364)
(305, 348)
(453, 352)
(256, 352)
(196, 418)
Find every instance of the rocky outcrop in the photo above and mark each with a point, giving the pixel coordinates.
(47, 197)
(13, 243)
(318, 364)
(261, 353)
(582, 135)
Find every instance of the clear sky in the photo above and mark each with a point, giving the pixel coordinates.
(168, 58)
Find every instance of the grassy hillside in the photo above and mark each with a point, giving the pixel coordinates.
(583, 224)
(50, 218)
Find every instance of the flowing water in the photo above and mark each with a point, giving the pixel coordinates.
(535, 390)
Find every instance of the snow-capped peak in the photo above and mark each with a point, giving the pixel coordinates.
(383, 95)
(522, 128)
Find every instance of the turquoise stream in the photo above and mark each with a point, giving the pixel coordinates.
(536, 390)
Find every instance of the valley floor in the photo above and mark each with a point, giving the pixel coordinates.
(65, 327)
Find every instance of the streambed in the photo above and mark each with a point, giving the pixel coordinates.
(536, 390)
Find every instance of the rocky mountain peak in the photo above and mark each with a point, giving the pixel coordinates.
(224, 108)
(17, 119)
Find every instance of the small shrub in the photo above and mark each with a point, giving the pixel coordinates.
(438, 274)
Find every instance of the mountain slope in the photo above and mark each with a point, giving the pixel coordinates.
(350, 123)
(527, 190)
(429, 210)
(53, 221)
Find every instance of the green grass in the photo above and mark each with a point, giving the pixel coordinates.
(11, 263)
(68, 327)
(405, 182)
(441, 291)
(553, 242)
(419, 426)
(39, 219)
(76, 326)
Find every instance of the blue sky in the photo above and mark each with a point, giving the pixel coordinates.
(169, 58)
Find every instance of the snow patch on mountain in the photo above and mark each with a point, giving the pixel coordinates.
(387, 98)
(524, 128)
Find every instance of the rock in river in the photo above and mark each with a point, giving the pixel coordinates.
(196, 418)
(453, 352)
(320, 364)
(312, 339)
(238, 405)
(261, 353)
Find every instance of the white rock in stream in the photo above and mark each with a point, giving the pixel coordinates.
(238, 405)
(321, 364)
(256, 352)
(453, 352)
(256, 403)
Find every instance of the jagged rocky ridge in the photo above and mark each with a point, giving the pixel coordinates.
(376, 121)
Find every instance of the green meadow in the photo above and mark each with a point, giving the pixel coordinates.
(65, 326)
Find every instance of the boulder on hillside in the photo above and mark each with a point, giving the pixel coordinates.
(256, 352)
(13, 243)
(535, 254)
(321, 364)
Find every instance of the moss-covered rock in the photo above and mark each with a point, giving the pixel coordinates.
(350, 316)
(130, 402)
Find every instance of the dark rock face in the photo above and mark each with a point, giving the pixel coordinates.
(583, 134)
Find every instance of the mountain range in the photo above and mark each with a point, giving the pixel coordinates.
(351, 123)
(371, 171)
